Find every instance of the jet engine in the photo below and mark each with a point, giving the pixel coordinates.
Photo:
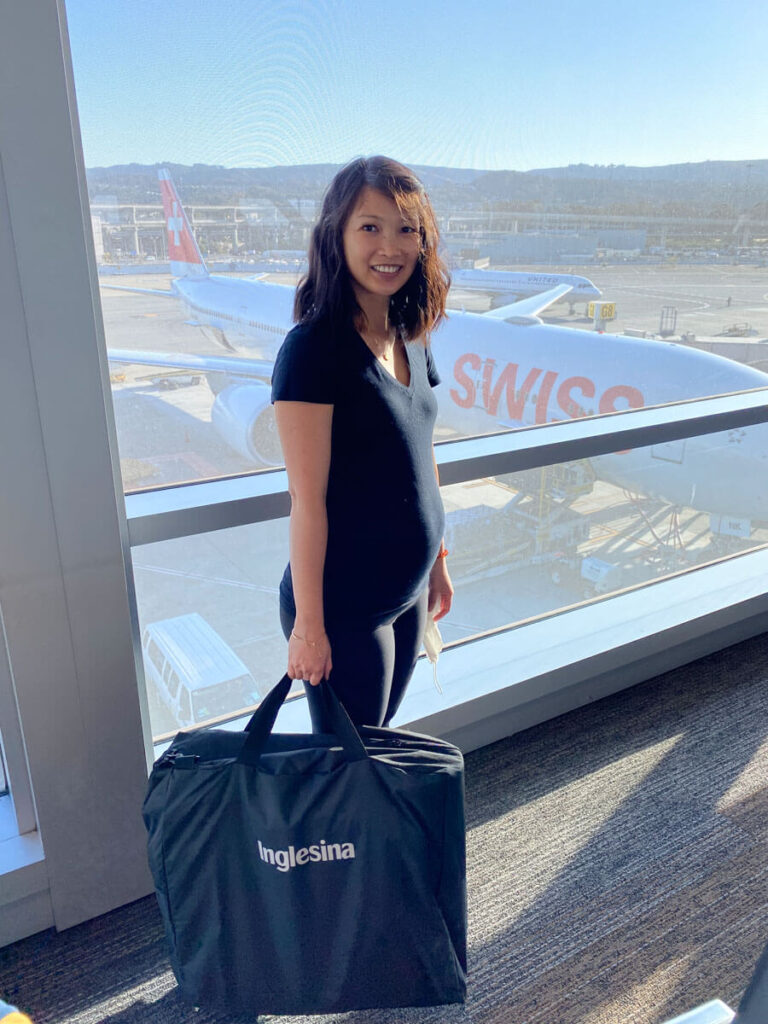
(243, 415)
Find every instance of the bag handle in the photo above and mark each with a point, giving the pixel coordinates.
(262, 722)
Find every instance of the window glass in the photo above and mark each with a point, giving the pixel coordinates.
(541, 171)
(521, 546)
(224, 698)
(211, 601)
(527, 544)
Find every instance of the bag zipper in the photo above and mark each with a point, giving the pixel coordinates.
(175, 759)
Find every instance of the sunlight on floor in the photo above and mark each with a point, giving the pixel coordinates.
(753, 780)
(563, 827)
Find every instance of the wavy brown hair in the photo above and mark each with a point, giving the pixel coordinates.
(325, 292)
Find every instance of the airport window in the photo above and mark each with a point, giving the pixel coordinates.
(581, 290)
(661, 249)
(526, 546)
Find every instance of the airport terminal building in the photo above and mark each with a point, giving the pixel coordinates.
(606, 497)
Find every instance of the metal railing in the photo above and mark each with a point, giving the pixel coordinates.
(184, 510)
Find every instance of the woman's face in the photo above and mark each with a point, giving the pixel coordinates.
(381, 248)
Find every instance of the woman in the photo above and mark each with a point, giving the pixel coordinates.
(352, 387)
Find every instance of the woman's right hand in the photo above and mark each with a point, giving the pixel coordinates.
(309, 661)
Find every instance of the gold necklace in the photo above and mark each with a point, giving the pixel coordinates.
(383, 354)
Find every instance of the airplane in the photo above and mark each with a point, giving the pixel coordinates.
(510, 285)
(502, 368)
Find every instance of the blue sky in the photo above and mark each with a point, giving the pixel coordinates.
(490, 84)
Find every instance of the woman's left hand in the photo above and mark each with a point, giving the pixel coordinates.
(440, 592)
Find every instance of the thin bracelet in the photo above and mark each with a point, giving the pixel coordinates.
(312, 643)
(442, 552)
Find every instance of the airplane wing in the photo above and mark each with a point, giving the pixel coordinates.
(231, 365)
(525, 310)
(165, 292)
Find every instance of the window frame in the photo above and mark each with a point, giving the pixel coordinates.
(19, 795)
(183, 510)
(64, 588)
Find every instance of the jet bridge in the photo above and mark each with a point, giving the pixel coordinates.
(534, 525)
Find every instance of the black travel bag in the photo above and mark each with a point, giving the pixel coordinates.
(311, 873)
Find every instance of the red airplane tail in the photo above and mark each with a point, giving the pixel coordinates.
(186, 258)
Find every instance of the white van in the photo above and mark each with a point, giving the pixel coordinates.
(195, 673)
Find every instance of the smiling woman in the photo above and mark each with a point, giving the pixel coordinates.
(355, 412)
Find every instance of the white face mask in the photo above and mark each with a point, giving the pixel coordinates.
(433, 644)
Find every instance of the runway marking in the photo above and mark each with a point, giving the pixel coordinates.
(697, 302)
(203, 578)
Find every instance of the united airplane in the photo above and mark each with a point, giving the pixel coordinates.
(511, 285)
(502, 368)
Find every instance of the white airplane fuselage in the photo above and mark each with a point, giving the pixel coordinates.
(525, 375)
(252, 315)
(499, 374)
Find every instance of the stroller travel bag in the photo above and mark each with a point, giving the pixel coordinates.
(310, 873)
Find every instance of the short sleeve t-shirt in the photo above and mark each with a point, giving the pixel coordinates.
(385, 516)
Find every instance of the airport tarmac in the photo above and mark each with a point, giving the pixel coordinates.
(231, 577)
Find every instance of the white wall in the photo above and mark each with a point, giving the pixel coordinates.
(63, 589)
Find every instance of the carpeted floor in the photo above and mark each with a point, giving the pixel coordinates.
(616, 873)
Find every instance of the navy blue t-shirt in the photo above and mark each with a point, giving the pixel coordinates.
(385, 516)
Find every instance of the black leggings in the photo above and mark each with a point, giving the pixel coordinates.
(372, 664)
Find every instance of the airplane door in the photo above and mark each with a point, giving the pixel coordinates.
(670, 451)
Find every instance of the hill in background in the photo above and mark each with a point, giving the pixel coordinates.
(700, 188)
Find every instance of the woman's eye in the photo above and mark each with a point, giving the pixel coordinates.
(369, 227)
(408, 229)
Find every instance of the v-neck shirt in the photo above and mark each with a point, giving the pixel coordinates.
(385, 515)
(389, 363)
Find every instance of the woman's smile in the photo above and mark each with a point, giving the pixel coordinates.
(388, 269)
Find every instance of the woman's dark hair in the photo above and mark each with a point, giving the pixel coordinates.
(325, 292)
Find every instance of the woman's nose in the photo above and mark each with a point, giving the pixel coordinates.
(391, 241)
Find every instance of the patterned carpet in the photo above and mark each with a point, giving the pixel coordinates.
(616, 873)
